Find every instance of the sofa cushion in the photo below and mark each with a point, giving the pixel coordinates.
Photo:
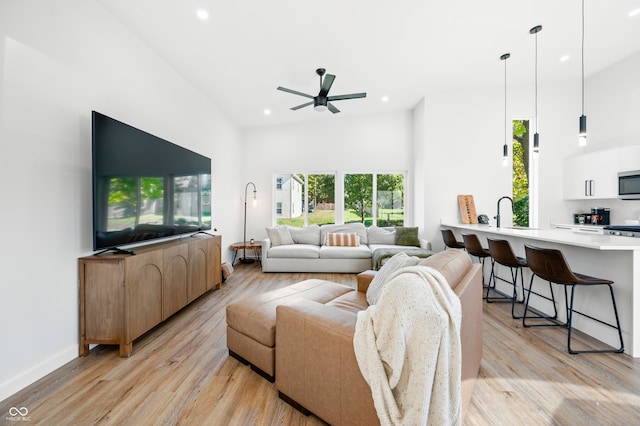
(452, 264)
(395, 263)
(279, 235)
(357, 227)
(354, 301)
(305, 235)
(407, 236)
(376, 235)
(360, 252)
(338, 239)
(295, 251)
(255, 316)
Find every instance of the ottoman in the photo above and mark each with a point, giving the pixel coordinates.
(251, 322)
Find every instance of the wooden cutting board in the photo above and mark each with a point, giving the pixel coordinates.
(467, 209)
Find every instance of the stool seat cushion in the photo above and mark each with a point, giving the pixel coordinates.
(586, 279)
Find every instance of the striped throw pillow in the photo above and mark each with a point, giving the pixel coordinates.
(340, 239)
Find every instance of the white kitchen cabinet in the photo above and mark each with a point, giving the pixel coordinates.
(591, 176)
(629, 158)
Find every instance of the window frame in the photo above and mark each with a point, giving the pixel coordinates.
(339, 176)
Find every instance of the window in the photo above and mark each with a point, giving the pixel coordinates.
(524, 177)
(374, 199)
(390, 199)
(321, 207)
(358, 198)
(304, 199)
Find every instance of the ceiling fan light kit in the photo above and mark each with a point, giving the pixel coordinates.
(322, 101)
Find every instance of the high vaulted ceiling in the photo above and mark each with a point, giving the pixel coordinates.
(403, 50)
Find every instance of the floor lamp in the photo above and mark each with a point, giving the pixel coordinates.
(244, 236)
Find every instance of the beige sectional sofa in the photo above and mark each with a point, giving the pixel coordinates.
(312, 354)
(289, 249)
(316, 367)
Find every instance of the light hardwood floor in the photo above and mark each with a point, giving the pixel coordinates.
(180, 373)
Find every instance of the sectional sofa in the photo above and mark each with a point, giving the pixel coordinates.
(343, 248)
(316, 367)
(312, 356)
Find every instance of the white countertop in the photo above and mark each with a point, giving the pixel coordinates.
(560, 236)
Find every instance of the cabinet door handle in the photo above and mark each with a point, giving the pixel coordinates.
(586, 188)
(591, 188)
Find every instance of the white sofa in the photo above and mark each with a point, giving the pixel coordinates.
(289, 249)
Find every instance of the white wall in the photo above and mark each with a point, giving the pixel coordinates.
(58, 61)
(419, 181)
(336, 144)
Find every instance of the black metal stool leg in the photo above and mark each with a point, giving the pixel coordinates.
(553, 319)
(617, 326)
(514, 299)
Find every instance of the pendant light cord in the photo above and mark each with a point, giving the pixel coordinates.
(536, 82)
(505, 101)
(582, 57)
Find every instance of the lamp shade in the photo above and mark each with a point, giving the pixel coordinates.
(582, 135)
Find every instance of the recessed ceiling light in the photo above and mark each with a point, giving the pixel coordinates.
(564, 58)
(385, 99)
(202, 14)
(267, 112)
(634, 12)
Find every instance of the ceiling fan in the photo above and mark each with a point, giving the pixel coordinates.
(322, 102)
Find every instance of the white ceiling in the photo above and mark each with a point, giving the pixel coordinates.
(403, 49)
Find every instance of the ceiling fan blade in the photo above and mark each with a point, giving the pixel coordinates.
(350, 96)
(326, 84)
(332, 108)
(295, 92)
(301, 106)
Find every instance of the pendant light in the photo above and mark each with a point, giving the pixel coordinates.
(536, 137)
(582, 135)
(505, 147)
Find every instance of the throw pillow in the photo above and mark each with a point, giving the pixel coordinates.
(340, 239)
(279, 236)
(379, 281)
(306, 235)
(377, 235)
(407, 236)
(356, 227)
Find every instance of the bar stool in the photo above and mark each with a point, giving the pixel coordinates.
(474, 248)
(502, 254)
(450, 239)
(550, 265)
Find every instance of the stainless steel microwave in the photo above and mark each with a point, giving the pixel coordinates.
(629, 185)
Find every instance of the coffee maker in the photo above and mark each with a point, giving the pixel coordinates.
(597, 216)
(600, 216)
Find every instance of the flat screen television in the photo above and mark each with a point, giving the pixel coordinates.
(145, 187)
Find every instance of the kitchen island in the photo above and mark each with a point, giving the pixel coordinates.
(604, 256)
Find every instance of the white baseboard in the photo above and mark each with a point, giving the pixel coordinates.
(38, 371)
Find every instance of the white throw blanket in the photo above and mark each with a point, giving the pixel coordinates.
(409, 352)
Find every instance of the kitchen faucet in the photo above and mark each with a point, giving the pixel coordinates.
(497, 216)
